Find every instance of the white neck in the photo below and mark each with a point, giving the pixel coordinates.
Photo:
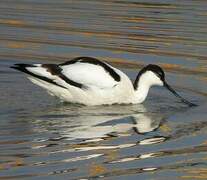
(144, 83)
(141, 92)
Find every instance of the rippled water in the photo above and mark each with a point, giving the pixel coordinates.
(159, 139)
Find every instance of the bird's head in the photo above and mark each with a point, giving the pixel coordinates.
(154, 75)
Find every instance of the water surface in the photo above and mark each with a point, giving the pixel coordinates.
(40, 137)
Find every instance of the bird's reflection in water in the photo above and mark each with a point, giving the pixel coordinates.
(97, 122)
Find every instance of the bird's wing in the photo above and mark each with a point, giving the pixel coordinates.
(82, 72)
(91, 72)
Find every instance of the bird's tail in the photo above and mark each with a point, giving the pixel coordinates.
(36, 71)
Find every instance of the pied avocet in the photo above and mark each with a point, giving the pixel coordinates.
(90, 81)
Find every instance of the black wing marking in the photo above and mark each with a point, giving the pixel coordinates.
(22, 68)
(95, 61)
(53, 69)
(56, 70)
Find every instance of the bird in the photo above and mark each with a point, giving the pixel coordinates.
(89, 81)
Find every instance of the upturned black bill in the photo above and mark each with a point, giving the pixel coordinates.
(177, 95)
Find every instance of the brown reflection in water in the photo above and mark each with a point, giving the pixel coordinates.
(165, 128)
(96, 169)
(16, 45)
(195, 173)
(12, 22)
(111, 155)
(12, 164)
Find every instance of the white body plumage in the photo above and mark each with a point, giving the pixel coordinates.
(100, 88)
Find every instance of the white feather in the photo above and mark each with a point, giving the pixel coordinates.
(89, 74)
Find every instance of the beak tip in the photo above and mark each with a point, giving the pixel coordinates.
(176, 94)
(193, 105)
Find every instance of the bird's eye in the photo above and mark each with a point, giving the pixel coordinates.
(160, 75)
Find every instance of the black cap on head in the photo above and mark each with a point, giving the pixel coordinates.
(156, 69)
(151, 67)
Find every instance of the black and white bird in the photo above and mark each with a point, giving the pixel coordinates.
(89, 81)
